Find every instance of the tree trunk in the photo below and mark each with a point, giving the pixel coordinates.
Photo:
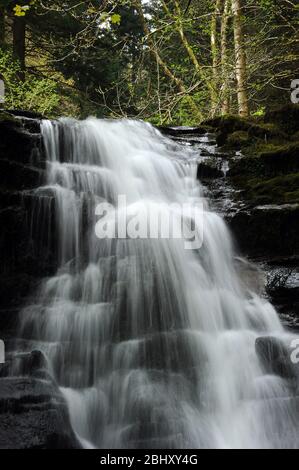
(215, 57)
(179, 83)
(224, 58)
(19, 48)
(2, 26)
(180, 28)
(241, 72)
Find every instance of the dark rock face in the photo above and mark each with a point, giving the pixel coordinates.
(33, 413)
(259, 197)
(242, 130)
(286, 301)
(20, 140)
(206, 171)
(275, 357)
(183, 131)
(264, 179)
(237, 139)
(286, 118)
(267, 230)
(278, 161)
(17, 176)
(25, 254)
(24, 364)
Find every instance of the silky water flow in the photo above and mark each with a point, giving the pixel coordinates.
(152, 344)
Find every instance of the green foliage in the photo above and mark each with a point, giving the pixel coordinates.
(278, 190)
(259, 112)
(34, 94)
(105, 63)
(20, 10)
(238, 139)
(115, 19)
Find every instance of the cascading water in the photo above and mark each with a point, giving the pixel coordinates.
(153, 345)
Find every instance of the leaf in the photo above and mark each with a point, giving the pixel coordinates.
(116, 19)
(21, 10)
(91, 10)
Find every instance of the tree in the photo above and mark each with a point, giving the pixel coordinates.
(240, 57)
(18, 13)
(215, 57)
(177, 61)
(19, 43)
(168, 72)
(225, 70)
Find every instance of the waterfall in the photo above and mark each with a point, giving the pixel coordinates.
(152, 344)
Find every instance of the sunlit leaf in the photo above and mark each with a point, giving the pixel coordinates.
(20, 10)
(115, 19)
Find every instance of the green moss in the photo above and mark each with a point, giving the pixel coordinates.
(6, 117)
(282, 160)
(276, 125)
(286, 118)
(238, 139)
(229, 123)
(260, 147)
(295, 137)
(267, 160)
(278, 190)
(268, 172)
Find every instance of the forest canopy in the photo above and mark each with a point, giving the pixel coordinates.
(166, 61)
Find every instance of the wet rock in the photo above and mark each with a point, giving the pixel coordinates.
(208, 171)
(24, 364)
(23, 255)
(237, 127)
(185, 131)
(18, 176)
(33, 415)
(295, 137)
(286, 117)
(282, 288)
(265, 230)
(270, 161)
(16, 142)
(275, 357)
(280, 190)
(25, 252)
(238, 139)
(26, 114)
(206, 153)
(8, 316)
(166, 351)
(286, 301)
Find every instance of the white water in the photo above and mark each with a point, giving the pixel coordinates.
(152, 344)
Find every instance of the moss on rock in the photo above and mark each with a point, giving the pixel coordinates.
(267, 230)
(286, 118)
(279, 124)
(295, 137)
(267, 160)
(279, 190)
(7, 118)
(238, 139)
